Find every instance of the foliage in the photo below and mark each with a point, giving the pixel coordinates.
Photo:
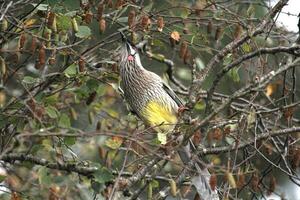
(65, 132)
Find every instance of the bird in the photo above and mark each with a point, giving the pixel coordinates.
(157, 105)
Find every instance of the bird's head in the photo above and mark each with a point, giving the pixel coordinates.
(129, 54)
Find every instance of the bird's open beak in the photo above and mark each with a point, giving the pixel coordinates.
(129, 46)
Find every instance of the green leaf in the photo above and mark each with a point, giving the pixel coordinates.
(122, 20)
(71, 14)
(185, 13)
(42, 7)
(50, 100)
(162, 138)
(233, 73)
(92, 84)
(64, 22)
(114, 142)
(83, 32)
(148, 8)
(184, 73)
(71, 70)
(44, 178)
(52, 112)
(158, 43)
(64, 121)
(47, 144)
(101, 90)
(199, 63)
(251, 11)
(96, 186)
(246, 48)
(251, 118)
(30, 80)
(200, 105)
(70, 141)
(2, 177)
(103, 175)
(228, 59)
(154, 183)
(36, 148)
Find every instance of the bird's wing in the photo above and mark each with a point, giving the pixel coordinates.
(172, 94)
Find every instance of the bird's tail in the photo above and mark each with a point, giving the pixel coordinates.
(201, 180)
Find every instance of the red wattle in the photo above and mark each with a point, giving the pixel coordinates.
(130, 58)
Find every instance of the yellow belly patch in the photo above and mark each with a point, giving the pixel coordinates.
(157, 114)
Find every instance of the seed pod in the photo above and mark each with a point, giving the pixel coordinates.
(230, 179)
(100, 10)
(288, 113)
(3, 67)
(172, 42)
(73, 113)
(295, 159)
(74, 25)
(209, 27)
(50, 19)
(51, 23)
(22, 40)
(183, 49)
(56, 38)
(197, 197)
(237, 32)
(63, 36)
(185, 190)
(134, 37)
(175, 36)
(88, 17)
(119, 4)
(4, 25)
(91, 98)
(173, 188)
(33, 44)
(187, 57)
(31, 104)
(54, 25)
(91, 117)
(272, 185)
(2, 98)
(98, 127)
(186, 30)
(217, 134)
(240, 180)
(47, 35)
(102, 25)
(81, 65)
(15, 196)
(149, 192)
(145, 22)
(53, 192)
(197, 137)
(131, 18)
(42, 56)
(255, 182)
(269, 148)
(160, 24)
(101, 152)
(109, 3)
(199, 7)
(52, 60)
(218, 33)
(213, 181)
(227, 130)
